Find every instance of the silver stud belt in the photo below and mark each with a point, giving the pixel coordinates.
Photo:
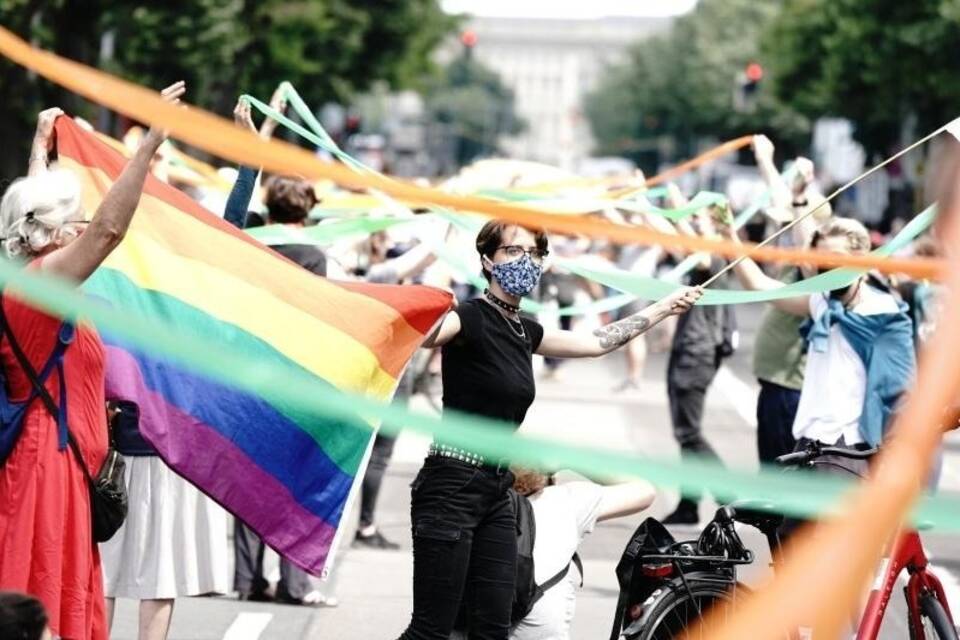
(456, 453)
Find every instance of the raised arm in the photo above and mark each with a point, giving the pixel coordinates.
(43, 141)
(79, 259)
(753, 278)
(572, 344)
(780, 196)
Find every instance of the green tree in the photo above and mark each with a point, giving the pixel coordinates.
(880, 63)
(474, 104)
(681, 84)
(328, 49)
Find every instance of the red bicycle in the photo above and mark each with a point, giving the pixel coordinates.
(667, 586)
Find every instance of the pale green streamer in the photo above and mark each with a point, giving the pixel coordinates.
(799, 494)
(653, 289)
(323, 234)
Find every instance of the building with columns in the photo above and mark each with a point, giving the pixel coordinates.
(551, 65)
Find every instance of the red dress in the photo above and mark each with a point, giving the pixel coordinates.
(46, 542)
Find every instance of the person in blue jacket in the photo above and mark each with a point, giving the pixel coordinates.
(860, 354)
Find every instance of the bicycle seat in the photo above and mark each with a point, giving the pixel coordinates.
(757, 513)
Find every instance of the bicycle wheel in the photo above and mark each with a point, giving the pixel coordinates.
(936, 623)
(676, 610)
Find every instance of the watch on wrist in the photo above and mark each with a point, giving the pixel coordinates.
(800, 202)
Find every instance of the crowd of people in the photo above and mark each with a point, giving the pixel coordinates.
(831, 368)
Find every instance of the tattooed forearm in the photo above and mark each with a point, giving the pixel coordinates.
(617, 334)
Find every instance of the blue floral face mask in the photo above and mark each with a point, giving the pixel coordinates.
(517, 277)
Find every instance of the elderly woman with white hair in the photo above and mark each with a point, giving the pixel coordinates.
(46, 539)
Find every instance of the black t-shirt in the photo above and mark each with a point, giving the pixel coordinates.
(308, 256)
(488, 367)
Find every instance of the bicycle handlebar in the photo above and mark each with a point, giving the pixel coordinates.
(814, 451)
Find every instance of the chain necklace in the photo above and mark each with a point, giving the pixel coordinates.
(509, 308)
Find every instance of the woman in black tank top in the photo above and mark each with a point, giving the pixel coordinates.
(464, 538)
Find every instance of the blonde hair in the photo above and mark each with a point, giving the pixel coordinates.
(858, 238)
(527, 482)
(34, 209)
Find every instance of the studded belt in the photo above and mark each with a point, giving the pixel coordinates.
(455, 453)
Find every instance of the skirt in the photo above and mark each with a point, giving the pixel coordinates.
(173, 543)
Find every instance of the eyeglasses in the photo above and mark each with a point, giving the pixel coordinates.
(515, 251)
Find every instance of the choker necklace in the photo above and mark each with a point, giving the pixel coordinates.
(506, 306)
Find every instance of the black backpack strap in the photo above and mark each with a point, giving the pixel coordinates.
(555, 580)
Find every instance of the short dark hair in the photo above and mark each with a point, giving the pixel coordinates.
(22, 617)
(289, 200)
(490, 239)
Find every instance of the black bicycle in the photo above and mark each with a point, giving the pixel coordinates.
(666, 586)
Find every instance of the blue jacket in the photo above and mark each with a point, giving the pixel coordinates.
(884, 343)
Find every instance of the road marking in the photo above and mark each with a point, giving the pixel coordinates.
(248, 626)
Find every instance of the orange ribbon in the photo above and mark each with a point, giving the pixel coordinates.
(221, 137)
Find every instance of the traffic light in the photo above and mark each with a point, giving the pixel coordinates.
(745, 87)
(468, 38)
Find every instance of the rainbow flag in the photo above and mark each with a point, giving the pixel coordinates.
(287, 475)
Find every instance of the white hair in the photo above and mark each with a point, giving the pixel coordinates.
(35, 208)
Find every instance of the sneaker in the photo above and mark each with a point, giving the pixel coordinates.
(686, 513)
(375, 540)
(312, 599)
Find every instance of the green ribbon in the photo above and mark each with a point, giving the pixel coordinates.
(322, 234)
(654, 289)
(799, 494)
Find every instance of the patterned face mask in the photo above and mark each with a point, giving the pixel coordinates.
(517, 277)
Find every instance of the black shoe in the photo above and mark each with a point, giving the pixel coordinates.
(375, 541)
(687, 512)
(256, 596)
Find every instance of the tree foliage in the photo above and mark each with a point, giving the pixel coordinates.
(474, 103)
(681, 84)
(329, 49)
(880, 63)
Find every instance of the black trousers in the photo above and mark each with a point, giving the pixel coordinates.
(248, 577)
(370, 490)
(464, 549)
(687, 395)
(776, 410)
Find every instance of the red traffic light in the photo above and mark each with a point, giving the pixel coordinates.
(468, 38)
(754, 72)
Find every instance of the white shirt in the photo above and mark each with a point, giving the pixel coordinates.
(835, 380)
(564, 515)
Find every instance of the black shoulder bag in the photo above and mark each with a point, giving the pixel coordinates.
(108, 493)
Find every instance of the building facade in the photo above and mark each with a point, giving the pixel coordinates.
(551, 65)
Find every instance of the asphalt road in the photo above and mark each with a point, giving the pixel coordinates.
(374, 588)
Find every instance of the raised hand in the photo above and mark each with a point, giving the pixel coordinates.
(762, 148)
(171, 94)
(682, 300)
(278, 102)
(45, 133)
(242, 117)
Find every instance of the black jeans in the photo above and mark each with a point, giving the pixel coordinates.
(372, 480)
(776, 410)
(687, 395)
(464, 549)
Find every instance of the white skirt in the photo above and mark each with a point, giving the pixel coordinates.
(173, 542)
